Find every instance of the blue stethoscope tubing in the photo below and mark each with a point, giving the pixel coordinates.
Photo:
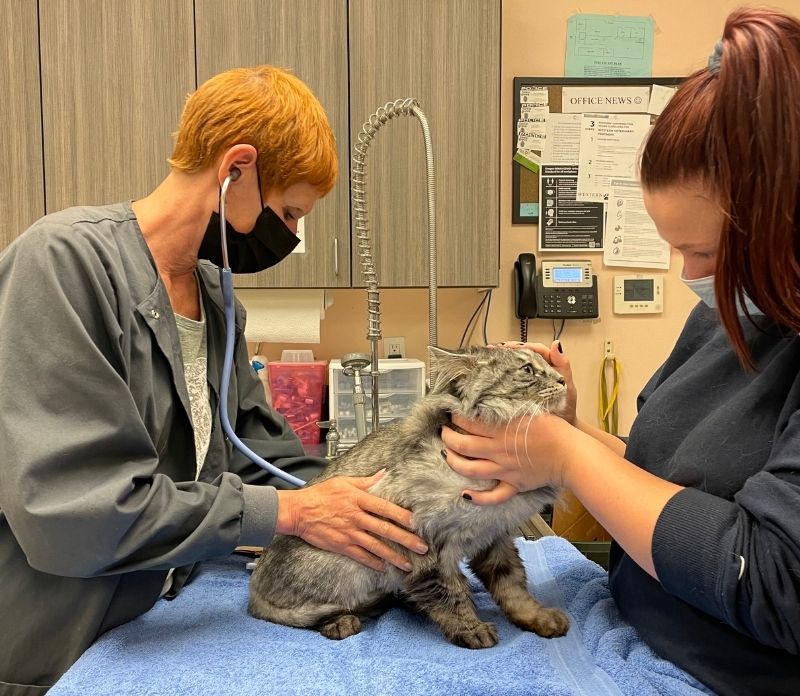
(226, 281)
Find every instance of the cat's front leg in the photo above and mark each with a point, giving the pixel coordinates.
(500, 570)
(446, 598)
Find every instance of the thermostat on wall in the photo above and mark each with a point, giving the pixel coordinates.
(638, 294)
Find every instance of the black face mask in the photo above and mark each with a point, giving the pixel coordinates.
(270, 242)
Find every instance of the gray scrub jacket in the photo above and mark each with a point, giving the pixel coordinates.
(98, 497)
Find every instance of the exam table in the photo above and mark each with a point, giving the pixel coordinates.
(204, 642)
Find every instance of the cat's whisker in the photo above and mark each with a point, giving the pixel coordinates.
(511, 420)
(516, 440)
(522, 408)
(527, 428)
(505, 439)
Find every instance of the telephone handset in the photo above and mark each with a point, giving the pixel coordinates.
(525, 286)
(566, 290)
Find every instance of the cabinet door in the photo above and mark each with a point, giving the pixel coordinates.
(309, 37)
(446, 54)
(115, 75)
(22, 193)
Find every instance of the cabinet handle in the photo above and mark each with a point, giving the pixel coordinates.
(336, 256)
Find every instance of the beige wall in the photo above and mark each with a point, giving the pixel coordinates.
(533, 45)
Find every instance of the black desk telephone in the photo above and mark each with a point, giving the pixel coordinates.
(563, 289)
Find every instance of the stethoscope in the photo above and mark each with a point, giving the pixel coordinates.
(226, 281)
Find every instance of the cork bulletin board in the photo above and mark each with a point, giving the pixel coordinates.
(524, 181)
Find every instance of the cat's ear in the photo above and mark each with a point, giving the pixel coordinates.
(449, 366)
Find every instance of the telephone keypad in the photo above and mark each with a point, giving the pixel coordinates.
(567, 303)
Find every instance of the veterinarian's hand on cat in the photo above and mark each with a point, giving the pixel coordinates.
(339, 515)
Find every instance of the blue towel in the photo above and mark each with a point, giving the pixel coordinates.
(204, 642)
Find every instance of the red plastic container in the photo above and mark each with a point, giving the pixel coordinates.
(297, 394)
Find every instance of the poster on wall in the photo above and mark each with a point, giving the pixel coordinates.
(567, 224)
(548, 124)
(610, 146)
(632, 239)
(609, 46)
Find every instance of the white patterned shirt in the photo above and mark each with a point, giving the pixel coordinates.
(195, 366)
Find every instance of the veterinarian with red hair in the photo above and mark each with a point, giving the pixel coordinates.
(115, 476)
(703, 499)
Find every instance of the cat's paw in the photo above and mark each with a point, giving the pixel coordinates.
(477, 636)
(341, 627)
(549, 623)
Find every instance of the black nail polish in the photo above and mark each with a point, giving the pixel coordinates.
(560, 349)
(466, 496)
(444, 454)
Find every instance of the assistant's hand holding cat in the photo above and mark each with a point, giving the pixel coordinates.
(529, 453)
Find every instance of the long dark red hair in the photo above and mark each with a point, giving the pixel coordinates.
(736, 130)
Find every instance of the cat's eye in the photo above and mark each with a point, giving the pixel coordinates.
(527, 367)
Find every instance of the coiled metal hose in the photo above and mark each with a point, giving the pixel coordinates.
(399, 107)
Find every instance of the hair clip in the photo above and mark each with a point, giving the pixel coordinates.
(715, 58)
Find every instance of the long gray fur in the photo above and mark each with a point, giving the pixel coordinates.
(297, 584)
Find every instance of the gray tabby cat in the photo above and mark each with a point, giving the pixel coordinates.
(297, 584)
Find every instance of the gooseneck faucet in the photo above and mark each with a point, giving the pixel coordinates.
(400, 107)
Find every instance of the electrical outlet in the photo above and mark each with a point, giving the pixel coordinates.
(395, 347)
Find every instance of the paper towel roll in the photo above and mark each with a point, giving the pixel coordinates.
(283, 316)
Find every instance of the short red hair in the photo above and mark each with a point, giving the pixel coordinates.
(735, 131)
(268, 108)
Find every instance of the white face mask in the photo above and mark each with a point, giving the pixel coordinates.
(704, 289)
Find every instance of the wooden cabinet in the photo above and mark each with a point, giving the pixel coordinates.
(446, 54)
(310, 38)
(98, 126)
(22, 193)
(114, 78)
